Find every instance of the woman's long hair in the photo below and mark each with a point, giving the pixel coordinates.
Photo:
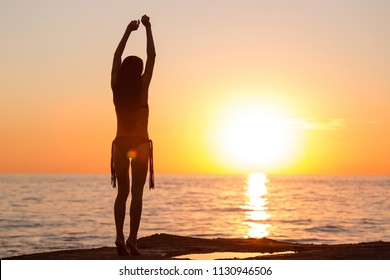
(127, 90)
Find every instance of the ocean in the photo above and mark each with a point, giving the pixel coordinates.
(40, 213)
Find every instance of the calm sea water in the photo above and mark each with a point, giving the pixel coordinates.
(53, 212)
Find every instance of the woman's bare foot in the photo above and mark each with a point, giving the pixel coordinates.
(121, 248)
(132, 248)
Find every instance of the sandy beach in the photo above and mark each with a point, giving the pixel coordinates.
(168, 247)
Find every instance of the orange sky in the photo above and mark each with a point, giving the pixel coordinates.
(320, 69)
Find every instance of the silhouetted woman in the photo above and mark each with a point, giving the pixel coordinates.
(130, 90)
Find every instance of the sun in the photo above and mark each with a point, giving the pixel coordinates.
(254, 136)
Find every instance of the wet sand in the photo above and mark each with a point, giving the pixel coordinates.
(168, 247)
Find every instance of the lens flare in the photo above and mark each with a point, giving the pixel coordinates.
(132, 154)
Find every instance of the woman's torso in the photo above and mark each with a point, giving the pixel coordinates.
(133, 122)
(132, 117)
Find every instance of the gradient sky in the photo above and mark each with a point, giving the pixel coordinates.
(322, 65)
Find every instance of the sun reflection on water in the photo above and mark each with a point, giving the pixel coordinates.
(256, 206)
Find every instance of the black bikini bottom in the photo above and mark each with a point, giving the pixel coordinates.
(125, 144)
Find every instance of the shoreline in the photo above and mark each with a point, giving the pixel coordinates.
(172, 247)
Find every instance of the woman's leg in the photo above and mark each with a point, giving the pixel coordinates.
(121, 164)
(139, 170)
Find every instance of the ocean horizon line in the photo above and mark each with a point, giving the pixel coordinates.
(207, 174)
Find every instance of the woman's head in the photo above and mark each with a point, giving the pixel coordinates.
(131, 67)
(128, 86)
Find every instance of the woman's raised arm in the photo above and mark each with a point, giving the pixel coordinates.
(116, 64)
(150, 50)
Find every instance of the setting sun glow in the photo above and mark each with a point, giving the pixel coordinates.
(255, 136)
